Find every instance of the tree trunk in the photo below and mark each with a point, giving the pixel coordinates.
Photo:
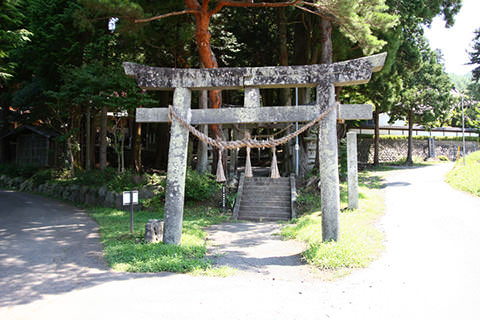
(70, 156)
(93, 138)
(4, 129)
(202, 152)
(88, 140)
(122, 152)
(409, 161)
(103, 138)
(209, 61)
(326, 34)
(285, 94)
(77, 153)
(376, 144)
(137, 147)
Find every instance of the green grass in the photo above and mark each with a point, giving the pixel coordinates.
(126, 252)
(360, 241)
(466, 178)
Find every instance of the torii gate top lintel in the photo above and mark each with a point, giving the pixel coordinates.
(345, 73)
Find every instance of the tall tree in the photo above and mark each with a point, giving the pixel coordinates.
(425, 97)
(12, 35)
(404, 56)
(475, 55)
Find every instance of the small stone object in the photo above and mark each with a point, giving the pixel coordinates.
(153, 230)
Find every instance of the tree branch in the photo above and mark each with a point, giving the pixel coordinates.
(251, 4)
(177, 13)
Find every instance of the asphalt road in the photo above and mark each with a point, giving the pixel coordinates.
(51, 267)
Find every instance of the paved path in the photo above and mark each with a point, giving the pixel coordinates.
(430, 269)
(256, 250)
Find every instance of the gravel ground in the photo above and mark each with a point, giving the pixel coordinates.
(50, 266)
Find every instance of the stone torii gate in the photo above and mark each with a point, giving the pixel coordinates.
(324, 77)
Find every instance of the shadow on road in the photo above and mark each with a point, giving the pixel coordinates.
(48, 247)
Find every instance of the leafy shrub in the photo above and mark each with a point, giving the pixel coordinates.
(443, 158)
(94, 178)
(122, 181)
(109, 177)
(308, 199)
(43, 176)
(200, 186)
(15, 170)
(342, 160)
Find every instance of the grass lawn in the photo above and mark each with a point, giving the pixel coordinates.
(126, 252)
(466, 178)
(360, 241)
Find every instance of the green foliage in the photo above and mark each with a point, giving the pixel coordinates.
(360, 20)
(125, 252)
(200, 186)
(461, 82)
(426, 94)
(308, 200)
(443, 158)
(342, 159)
(15, 170)
(475, 56)
(466, 178)
(94, 178)
(12, 36)
(360, 242)
(43, 176)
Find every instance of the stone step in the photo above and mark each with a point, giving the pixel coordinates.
(270, 187)
(267, 179)
(259, 218)
(262, 219)
(267, 183)
(264, 212)
(264, 194)
(265, 199)
(249, 184)
(266, 203)
(273, 199)
(258, 207)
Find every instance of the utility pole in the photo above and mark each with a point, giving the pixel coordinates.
(463, 132)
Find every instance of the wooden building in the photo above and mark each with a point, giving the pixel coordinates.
(31, 145)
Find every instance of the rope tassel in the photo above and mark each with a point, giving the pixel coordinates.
(274, 173)
(248, 165)
(220, 173)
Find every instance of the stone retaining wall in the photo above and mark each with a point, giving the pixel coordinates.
(391, 150)
(89, 196)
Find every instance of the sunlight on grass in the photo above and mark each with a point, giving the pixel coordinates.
(129, 253)
(360, 241)
(466, 178)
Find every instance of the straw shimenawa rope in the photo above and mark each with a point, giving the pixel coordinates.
(246, 142)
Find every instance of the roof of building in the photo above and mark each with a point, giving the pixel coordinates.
(45, 132)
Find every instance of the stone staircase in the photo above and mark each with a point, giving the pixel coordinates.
(265, 199)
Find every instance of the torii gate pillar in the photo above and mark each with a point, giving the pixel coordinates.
(329, 181)
(177, 167)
